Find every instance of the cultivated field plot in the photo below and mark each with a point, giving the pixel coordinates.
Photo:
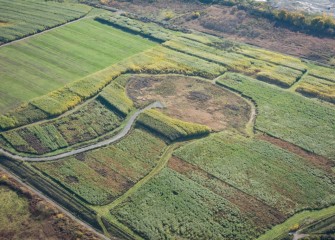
(22, 18)
(235, 151)
(100, 176)
(87, 123)
(280, 114)
(225, 186)
(36, 66)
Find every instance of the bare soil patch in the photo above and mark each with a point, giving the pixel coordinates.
(192, 100)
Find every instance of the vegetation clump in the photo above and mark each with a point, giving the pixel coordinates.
(171, 128)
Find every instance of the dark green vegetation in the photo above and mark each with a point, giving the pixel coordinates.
(280, 114)
(19, 19)
(99, 176)
(89, 122)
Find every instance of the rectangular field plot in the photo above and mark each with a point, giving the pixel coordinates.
(288, 116)
(89, 122)
(38, 65)
(99, 176)
(317, 87)
(265, 71)
(171, 206)
(22, 18)
(278, 178)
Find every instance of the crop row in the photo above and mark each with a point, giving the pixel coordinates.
(89, 122)
(29, 17)
(171, 128)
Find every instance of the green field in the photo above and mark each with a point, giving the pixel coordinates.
(21, 18)
(277, 177)
(245, 140)
(36, 66)
(89, 122)
(304, 122)
(100, 176)
(171, 206)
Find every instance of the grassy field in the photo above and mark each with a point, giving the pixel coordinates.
(41, 64)
(100, 176)
(171, 206)
(22, 18)
(304, 122)
(279, 178)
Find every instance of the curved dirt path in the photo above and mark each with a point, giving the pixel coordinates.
(115, 138)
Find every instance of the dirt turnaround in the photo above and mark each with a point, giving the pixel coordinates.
(191, 99)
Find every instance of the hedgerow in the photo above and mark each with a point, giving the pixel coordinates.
(171, 128)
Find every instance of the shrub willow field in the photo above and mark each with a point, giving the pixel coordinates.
(166, 178)
(280, 114)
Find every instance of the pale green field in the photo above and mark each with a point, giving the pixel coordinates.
(36, 66)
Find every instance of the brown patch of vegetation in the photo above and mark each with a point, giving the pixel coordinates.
(234, 24)
(260, 213)
(5, 24)
(46, 221)
(191, 100)
(317, 160)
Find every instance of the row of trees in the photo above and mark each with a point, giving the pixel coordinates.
(323, 24)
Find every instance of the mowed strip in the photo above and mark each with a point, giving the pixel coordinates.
(36, 66)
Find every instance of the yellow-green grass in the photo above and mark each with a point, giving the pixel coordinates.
(44, 63)
(273, 57)
(317, 87)
(155, 60)
(27, 17)
(327, 73)
(14, 211)
(305, 122)
(262, 70)
(280, 231)
(171, 128)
